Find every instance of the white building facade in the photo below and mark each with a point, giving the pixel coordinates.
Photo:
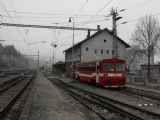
(96, 47)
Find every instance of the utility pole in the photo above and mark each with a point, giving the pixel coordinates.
(54, 46)
(71, 19)
(38, 63)
(115, 17)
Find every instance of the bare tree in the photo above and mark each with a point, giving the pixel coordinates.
(147, 37)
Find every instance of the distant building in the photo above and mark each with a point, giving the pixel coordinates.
(59, 66)
(137, 58)
(154, 72)
(96, 47)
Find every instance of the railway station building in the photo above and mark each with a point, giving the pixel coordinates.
(94, 48)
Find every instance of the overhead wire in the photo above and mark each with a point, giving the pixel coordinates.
(138, 5)
(134, 6)
(11, 4)
(98, 12)
(48, 17)
(51, 14)
(133, 20)
(80, 9)
(12, 20)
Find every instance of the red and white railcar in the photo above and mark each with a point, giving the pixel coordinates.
(106, 73)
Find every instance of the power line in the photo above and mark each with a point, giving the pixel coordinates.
(20, 22)
(12, 20)
(48, 17)
(133, 20)
(51, 14)
(17, 16)
(47, 27)
(137, 5)
(98, 12)
(81, 8)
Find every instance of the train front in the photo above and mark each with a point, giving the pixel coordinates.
(113, 73)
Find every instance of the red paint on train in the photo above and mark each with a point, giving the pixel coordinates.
(107, 72)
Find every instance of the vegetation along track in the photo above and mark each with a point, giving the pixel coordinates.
(104, 106)
(11, 94)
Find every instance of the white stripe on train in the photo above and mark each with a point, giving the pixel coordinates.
(100, 74)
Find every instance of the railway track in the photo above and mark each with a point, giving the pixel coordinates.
(10, 94)
(9, 83)
(107, 106)
(144, 93)
(148, 98)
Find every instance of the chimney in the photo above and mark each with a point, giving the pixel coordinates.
(88, 35)
(98, 28)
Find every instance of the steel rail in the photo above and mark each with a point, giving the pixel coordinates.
(12, 84)
(105, 105)
(9, 104)
(119, 102)
(143, 93)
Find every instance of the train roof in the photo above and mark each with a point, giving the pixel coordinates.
(113, 60)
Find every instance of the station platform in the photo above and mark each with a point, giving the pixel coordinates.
(48, 102)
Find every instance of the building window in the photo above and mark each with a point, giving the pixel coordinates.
(101, 51)
(107, 51)
(86, 48)
(95, 51)
(105, 41)
(112, 52)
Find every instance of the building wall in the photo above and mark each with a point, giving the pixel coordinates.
(76, 54)
(68, 60)
(96, 48)
(100, 47)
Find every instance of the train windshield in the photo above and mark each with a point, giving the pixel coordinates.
(110, 66)
(120, 66)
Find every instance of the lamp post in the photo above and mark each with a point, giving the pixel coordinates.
(71, 19)
(54, 46)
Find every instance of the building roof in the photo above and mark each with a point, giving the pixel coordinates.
(97, 33)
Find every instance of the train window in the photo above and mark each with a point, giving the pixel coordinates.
(108, 66)
(120, 66)
(87, 68)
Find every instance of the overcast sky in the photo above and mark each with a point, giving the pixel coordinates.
(86, 13)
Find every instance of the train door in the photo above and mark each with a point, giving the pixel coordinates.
(97, 72)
